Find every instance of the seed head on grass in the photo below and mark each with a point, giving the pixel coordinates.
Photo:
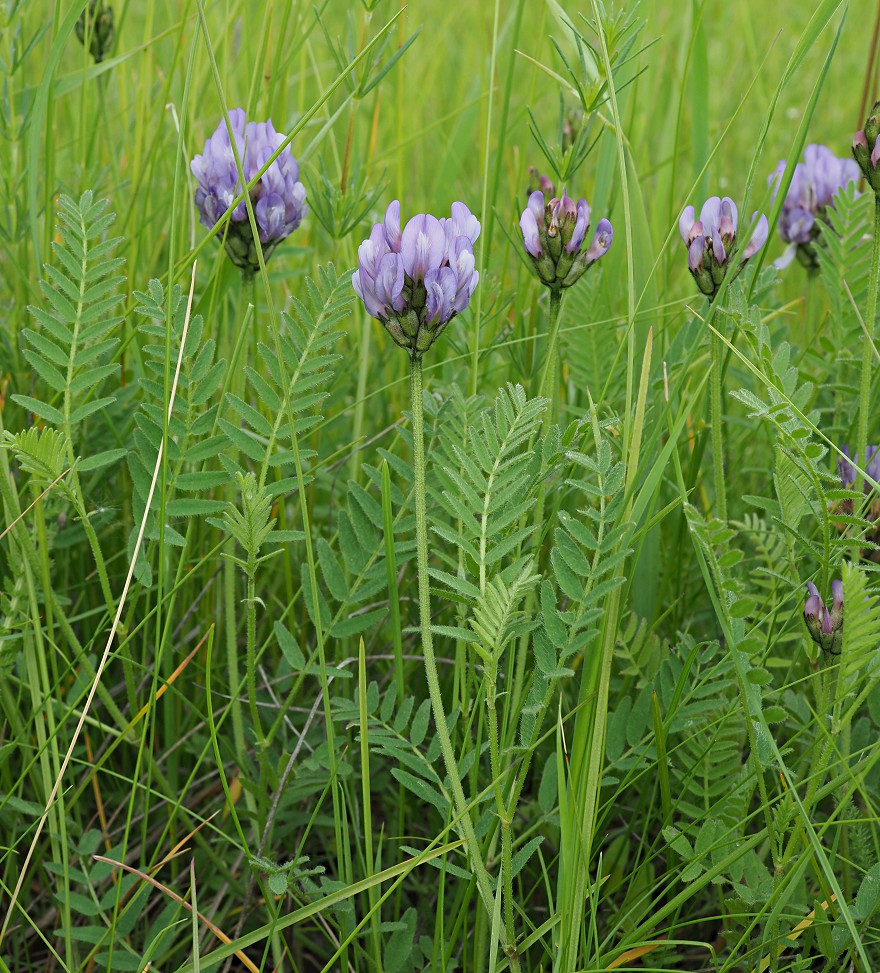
(825, 627)
(278, 198)
(713, 249)
(866, 148)
(811, 193)
(553, 235)
(416, 280)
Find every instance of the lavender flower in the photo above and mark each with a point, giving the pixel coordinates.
(712, 244)
(825, 627)
(813, 186)
(866, 148)
(553, 236)
(279, 198)
(846, 467)
(416, 280)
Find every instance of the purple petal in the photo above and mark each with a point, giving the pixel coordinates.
(601, 242)
(788, 254)
(531, 238)
(859, 141)
(466, 224)
(837, 594)
(392, 225)
(422, 245)
(580, 227)
(389, 281)
(364, 288)
(566, 206)
(875, 153)
(710, 215)
(685, 223)
(759, 237)
(372, 250)
(537, 206)
(796, 225)
(462, 263)
(440, 286)
(728, 213)
(695, 254)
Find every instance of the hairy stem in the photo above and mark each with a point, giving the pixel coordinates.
(717, 420)
(548, 373)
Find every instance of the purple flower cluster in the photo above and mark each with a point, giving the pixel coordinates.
(554, 233)
(866, 148)
(825, 627)
(712, 244)
(415, 281)
(279, 198)
(813, 186)
(846, 467)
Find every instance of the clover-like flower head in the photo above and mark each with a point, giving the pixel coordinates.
(416, 280)
(814, 184)
(553, 235)
(711, 241)
(278, 198)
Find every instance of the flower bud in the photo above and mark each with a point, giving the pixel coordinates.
(712, 243)
(866, 148)
(96, 21)
(825, 627)
(278, 198)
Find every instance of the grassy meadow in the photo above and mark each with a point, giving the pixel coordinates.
(322, 654)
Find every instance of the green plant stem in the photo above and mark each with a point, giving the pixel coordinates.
(717, 420)
(467, 828)
(504, 817)
(868, 346)
(252, 647)
(548, 372)
(232, 659)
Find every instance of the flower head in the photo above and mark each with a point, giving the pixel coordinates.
(866, 148)
(825, 627)
(713, 249)
(278, 198)
(554, 233)
(814, 183)
(417, 279)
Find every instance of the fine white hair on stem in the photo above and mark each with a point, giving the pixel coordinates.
(137, 547)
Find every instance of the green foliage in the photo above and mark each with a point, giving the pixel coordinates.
(195, 442)
(74, 341)
(293, 386)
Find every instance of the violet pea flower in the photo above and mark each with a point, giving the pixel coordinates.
(811, 193)
(712, 245)
(416, 280)
(553, 236)
(278, 198)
